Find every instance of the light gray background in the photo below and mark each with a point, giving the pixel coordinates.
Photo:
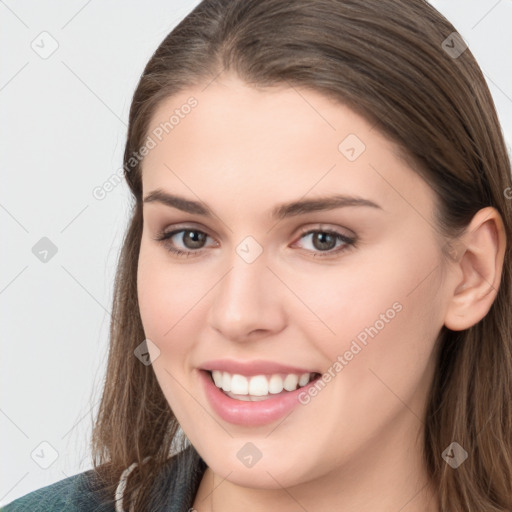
(63, 121)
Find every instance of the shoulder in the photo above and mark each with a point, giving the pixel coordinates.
(174, 488)
(178, 482)
(73, 494)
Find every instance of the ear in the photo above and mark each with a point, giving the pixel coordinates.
(477, 269)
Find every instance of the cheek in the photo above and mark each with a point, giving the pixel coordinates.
(166, 293)
(168, 302)
(385, 319)
(380, 315)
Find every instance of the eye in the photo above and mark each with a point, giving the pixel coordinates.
(192, 239)
(323, 242)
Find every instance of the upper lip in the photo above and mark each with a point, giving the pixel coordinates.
(250, 368)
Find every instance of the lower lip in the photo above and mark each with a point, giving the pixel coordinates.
(251, 414)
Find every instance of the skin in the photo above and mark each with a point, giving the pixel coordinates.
(357, 444)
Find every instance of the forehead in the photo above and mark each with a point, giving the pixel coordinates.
(281, 141)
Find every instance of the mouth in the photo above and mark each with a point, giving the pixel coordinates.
(260, 387)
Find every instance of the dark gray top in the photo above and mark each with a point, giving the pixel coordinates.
(174, 490)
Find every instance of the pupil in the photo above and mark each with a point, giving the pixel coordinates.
(324, 238)
(195, 238)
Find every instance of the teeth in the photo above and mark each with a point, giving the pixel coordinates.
(218, 378)
(291, 381)
(304, 379)
(239, 385)
(259, 385)
(275, 384)
(226, 382)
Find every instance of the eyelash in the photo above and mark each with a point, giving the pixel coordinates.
(349, 242)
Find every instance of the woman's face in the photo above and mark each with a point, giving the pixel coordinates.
(349, 285)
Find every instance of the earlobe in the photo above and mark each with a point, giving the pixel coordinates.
(477, 270)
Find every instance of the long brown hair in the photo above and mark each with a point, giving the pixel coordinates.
(390, 61)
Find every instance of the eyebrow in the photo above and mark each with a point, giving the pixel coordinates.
(281, 211)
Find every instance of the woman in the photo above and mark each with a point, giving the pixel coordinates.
(315, 283)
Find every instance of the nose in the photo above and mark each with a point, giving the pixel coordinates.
(248, 302)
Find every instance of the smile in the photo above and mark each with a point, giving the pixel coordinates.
(252, 410)
(259, 387)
